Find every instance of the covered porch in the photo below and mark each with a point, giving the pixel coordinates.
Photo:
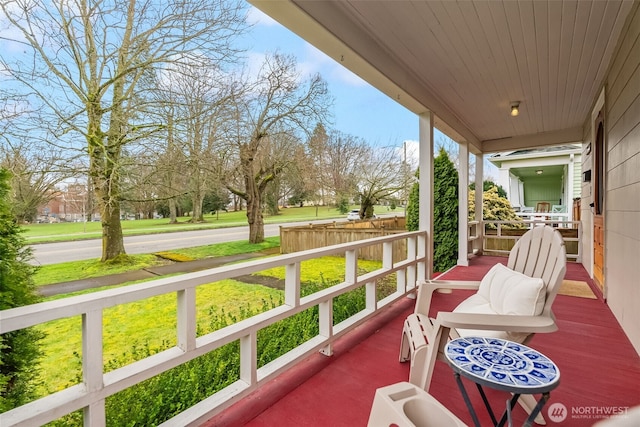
(462, 80)
(600, 370)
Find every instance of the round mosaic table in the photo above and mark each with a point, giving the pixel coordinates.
(502, 365)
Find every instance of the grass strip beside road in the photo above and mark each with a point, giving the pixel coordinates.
(77, 270)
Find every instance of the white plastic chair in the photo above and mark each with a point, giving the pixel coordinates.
(538, 254)
(406, 405)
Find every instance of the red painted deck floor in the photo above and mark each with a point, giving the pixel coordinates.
(600, 370)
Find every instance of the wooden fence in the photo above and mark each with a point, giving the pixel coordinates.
(312, 236)
(500, 241)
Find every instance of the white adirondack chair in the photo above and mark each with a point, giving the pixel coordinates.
(512, 302)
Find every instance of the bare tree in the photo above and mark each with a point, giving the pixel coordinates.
(198, 97)
(290, 181)
(270, 113)
(34, 176)
(315, 166)
(339, 161)
(170, 181)
(88, 63)
(380, 177)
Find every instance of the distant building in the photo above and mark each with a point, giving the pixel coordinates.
(544, 175)
(68, 205)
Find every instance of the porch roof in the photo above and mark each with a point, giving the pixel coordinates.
(599, 367)
(468, 61)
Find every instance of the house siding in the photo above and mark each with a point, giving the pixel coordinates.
(577, 178)
(622, 203)
(543, 190)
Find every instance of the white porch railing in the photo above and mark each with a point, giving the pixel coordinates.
(97, 385)
(473, 236)
(561, 224)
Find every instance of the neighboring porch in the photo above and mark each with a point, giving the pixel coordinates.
(600, 370)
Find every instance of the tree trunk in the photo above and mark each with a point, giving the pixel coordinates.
(104, 158)
(256, 222)
(112, 242)
(254, 205)
(198, 201)
(172, 212)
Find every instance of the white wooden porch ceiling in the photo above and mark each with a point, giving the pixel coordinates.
(468, 60)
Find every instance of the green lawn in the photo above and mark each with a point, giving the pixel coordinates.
(138, 329)
(132, 331)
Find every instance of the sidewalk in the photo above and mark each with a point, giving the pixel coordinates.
(147, 273)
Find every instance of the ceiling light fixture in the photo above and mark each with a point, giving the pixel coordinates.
(515, 109)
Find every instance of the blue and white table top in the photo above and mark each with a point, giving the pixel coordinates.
(502, 364)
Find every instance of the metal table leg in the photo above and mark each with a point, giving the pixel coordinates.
(537, 409)
(467, 401)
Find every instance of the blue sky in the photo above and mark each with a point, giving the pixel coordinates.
(359, 109)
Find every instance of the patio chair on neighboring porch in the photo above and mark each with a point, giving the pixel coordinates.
(542, 208)
(512, 302)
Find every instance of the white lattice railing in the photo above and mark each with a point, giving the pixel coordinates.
(97, 385)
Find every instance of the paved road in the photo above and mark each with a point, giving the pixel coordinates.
(53, 253)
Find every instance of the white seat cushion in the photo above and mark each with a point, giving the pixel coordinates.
(504, 291)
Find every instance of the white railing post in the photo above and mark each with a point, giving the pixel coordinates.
(410, 271)
(371, 302)
(387, 255)
(325, 319)
(248, 358)
(92, 365)
(292, 285)
(350, 266)
(186, 322)
(422, 267)
(95, 414)
(579, 259)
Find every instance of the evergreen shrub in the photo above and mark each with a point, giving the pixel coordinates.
(19, 351)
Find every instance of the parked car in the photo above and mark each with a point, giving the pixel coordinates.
(353, 215)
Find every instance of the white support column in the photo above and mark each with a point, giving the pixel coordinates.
(426, 191)
(479, 242)
(504, 180)
(568, 197)
(463, 204)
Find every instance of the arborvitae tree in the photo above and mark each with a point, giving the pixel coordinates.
(19, 351)
(445, 225)
(445, 212)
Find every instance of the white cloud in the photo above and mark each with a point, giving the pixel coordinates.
(254, 63)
